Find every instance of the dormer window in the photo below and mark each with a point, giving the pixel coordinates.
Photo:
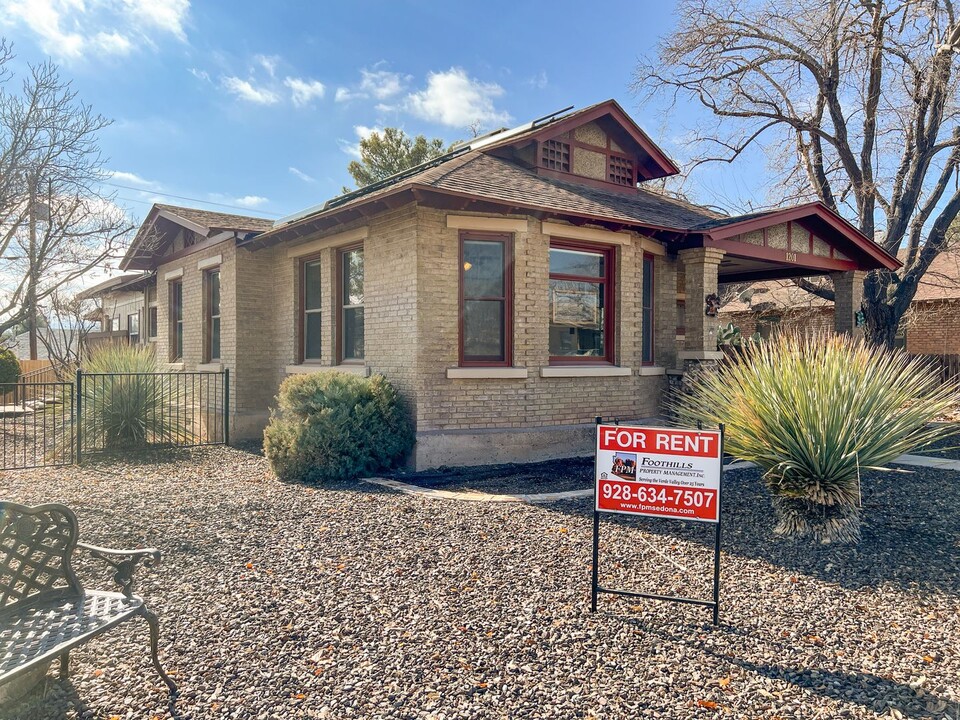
(621, 171)
(555, 155)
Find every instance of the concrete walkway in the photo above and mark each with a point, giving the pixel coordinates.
(533, 498)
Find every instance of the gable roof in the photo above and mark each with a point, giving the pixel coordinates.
(115, 283)
(205, 223)
(481, 176)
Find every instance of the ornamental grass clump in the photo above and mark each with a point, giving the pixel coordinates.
(815, 412)
(332, 426)
(128, 401)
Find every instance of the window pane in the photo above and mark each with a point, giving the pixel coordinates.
(352, 334)
(483, 329)
(647, 336)
(353, 277)
(152, 322)
(482, 269)
(648, 282)
(133, 324)
(576, 262)
(311, 285)
(215, 339)
(215, 293)
(179, 343)
(576, 319)
(311, 336)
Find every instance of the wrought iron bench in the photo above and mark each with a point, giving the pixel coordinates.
(44, 610)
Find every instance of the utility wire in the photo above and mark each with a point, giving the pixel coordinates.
(184, 197)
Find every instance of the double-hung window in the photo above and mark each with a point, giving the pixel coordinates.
(351, 305)
(647, 326)
(212, 315)
(133, 328)
(310, 340)
(581, 303)
(486, 287)
(175, 298)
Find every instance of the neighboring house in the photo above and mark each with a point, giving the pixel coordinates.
(930, 327)
(512, 289)
(121, 303)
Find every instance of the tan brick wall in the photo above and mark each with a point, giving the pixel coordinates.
(456, 404)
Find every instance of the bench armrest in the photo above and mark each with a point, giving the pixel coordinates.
(123, 562)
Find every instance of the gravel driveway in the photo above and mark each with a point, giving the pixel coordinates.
(282, 601)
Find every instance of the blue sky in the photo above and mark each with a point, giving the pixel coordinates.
(259, 105)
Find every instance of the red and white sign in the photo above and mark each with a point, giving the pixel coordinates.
(659, 472)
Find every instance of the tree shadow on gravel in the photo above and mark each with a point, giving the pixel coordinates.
(911, 531)
(871, 691)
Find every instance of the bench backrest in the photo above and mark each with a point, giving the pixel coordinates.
(36, 544)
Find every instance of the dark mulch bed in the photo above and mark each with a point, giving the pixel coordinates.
(510, 478)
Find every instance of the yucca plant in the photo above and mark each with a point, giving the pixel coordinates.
(814, 412)
(128, 401)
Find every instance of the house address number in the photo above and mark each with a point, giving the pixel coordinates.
(791, 257)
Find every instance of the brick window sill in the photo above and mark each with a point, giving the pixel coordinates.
(361, 370)
(487, 373)
(210, 367)
(572, 371)
(175, 366)
(649, 370)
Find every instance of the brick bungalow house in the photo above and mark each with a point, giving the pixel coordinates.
(512, 289)
(930, 327)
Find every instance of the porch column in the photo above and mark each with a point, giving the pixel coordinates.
(701, 267)
(848, 297)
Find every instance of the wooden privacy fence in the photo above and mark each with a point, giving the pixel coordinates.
(947, 365)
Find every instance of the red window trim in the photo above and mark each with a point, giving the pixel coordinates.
(609, 303)
(507, 240)
(653, 313)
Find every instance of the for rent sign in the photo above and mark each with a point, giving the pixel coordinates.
(660, 472)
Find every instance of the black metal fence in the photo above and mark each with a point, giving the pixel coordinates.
(60, 423)
(36, 422)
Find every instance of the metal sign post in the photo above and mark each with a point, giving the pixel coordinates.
(658, 472)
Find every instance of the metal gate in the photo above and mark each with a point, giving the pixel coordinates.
(61, 423)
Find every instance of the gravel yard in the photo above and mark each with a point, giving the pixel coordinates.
(283, 601)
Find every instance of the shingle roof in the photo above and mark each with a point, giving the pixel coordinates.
(218, 220)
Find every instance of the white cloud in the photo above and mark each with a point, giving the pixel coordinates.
(75, 29)
(382, 84)
(113, 43)
(245, 90)
(129, 178)
(301, 174)
(539, 81)
(165, 15)
(378, 84)
(303, 91)
(250, 201)
(200, 74)
(362, 132)
(454, 98)
(268, 63)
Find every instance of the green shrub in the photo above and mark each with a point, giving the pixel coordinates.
(814, 412)
(333, 426)
(129, 401)
(9, 367)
